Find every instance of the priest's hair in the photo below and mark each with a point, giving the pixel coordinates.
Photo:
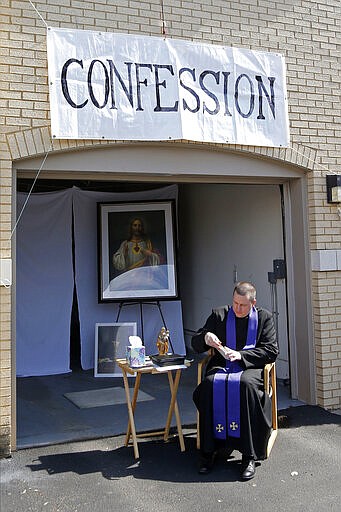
(244, 288)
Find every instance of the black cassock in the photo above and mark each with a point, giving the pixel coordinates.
(255, 403)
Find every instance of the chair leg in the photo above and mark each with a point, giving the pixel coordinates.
(198, 432)
(274, 398)
(274, 418)
(200, 371)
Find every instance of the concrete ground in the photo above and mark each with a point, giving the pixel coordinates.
(45, 416)
(74, 460)
(302, 474)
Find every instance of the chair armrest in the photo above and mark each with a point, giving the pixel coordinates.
(203, 363)
(267, 370)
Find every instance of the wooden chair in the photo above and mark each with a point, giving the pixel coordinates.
(269, 387)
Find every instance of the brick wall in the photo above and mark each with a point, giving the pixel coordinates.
(305, 32)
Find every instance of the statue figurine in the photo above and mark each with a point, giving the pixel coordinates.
(162, 341)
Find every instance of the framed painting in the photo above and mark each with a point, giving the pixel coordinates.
(111, 341)
(137, 259)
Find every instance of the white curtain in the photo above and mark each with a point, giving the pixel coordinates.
(45, 281)
(90, 311)
(44, 277)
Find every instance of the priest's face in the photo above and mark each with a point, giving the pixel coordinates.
(242, 305)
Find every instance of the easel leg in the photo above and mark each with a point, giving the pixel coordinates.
(173, 407)
(131, 423)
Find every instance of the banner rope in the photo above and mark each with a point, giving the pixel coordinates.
(324, 171)
(323, 167)
(30, 191)
(40, 16)
(163, 21)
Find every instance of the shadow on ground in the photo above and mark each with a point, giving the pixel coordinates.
(164, 462)
(158, 461)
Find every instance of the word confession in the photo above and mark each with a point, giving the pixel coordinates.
(128, 87)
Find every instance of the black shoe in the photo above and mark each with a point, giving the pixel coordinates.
(206, 463)
(248, 469)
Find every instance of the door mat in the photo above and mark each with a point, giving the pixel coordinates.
(103, 397)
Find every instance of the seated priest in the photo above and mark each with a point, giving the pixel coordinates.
(234, 409)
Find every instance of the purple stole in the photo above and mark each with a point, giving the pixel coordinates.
(226, 420)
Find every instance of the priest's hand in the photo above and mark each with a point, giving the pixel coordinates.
(233, 355)
(212, 340)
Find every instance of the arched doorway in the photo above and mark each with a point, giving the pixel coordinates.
(217, 173)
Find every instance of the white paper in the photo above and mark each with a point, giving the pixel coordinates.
(135, 341)
(224, 351)
(171, 367)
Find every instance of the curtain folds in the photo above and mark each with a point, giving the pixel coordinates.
(45, 281)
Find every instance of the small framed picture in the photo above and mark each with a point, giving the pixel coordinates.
(111, 341)
(136, 251)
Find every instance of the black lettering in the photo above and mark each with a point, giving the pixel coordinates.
(106, 84)
(261, 89)
(194, 94)
(226, 75)
(65, 87)
(139, 82)
(252, 96)
(128, 91)
(159, 84)
(209, 93)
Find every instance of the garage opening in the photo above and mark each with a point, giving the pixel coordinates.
(225, 233)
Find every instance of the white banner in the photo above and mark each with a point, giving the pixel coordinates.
(133, 87)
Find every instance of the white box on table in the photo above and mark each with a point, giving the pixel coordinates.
(136, 356)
